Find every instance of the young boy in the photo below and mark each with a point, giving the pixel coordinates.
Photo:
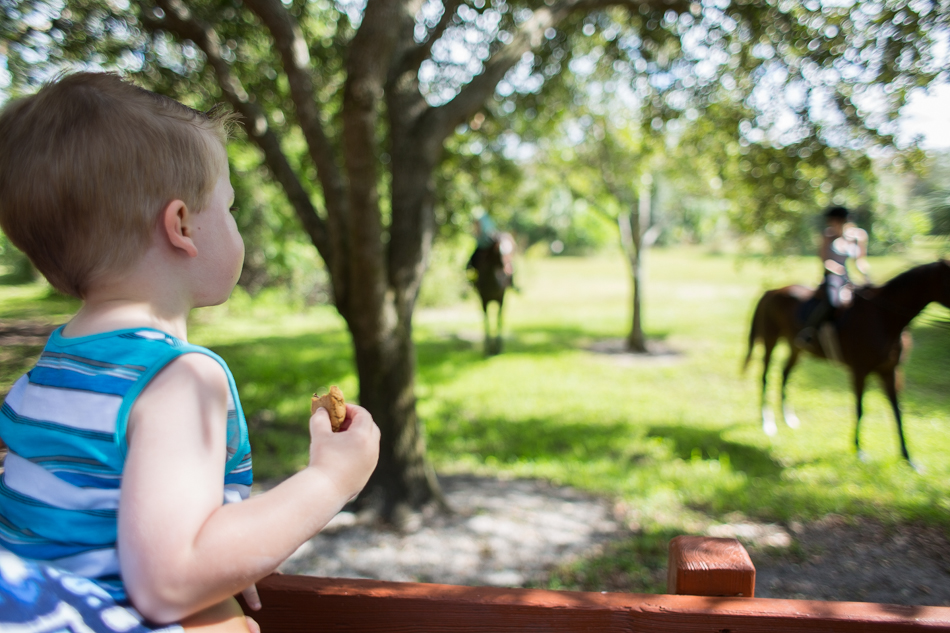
(127, 445)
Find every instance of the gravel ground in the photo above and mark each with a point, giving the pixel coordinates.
(860, 561)
(509, 533)
(503, 533)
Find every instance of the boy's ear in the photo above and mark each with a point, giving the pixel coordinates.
(176, 224)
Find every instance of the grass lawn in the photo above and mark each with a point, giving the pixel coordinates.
(675, 440)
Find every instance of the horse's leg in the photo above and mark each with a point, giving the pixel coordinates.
(768, 418)
(487, 329)
(889, 378)
(498, 336)
(787, 413)
(858, 383)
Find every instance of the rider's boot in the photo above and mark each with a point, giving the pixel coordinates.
(808, 336)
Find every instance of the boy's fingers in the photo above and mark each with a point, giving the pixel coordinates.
(252, 598)
(357, 414)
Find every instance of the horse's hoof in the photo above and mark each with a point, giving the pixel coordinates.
(768, 423)
(917, 469)
(791, 419)
(862, 456)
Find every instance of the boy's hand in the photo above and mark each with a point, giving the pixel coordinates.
(347, 458)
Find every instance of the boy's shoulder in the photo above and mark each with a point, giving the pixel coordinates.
(115, 360)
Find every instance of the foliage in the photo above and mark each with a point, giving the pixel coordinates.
(15, 267)
(740, 101)
(446, 282)
(792, 95)
(897, 217)
(276, 251)
(933, 192)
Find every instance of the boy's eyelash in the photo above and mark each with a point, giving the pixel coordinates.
(233, 208)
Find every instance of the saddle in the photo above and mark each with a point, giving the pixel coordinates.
(825, 341)
(806, 308)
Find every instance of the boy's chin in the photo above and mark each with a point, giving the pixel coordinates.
(210, 302)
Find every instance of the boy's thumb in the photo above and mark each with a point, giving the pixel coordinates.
(321, 417)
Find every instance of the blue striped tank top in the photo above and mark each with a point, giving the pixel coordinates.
(64, 423)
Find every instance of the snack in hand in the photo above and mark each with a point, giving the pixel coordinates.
(335, 405)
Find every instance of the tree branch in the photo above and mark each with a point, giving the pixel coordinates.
(179, 21)
(366, 71)
(476, 92)
(415, 56)
(292, 47)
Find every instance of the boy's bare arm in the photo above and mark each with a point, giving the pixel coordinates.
(180, 549)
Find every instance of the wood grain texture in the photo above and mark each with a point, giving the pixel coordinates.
(705, 566)
(299, 604)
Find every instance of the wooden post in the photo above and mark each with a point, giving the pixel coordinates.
(705, 566)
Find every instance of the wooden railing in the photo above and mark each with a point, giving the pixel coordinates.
(708, 569)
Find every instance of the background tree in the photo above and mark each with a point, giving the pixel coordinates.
(604, 156)
(351, 106)
(931, 194)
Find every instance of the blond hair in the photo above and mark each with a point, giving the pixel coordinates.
(88, 163)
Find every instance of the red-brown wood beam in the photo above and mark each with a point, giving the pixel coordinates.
(705, 566)
(302, 604)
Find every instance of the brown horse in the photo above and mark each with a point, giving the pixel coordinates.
(869, 334)
(492, 274)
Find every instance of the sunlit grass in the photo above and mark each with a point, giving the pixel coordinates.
(675, 440)
(685, 433)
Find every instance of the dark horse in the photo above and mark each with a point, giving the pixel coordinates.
(869, 333)
(492, 273)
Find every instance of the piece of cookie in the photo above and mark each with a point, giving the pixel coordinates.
(335, 405)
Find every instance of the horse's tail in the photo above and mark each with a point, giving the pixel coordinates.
(755, 331)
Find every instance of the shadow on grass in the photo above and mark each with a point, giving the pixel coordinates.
(692, 443)
(276, 377)
(528, 439)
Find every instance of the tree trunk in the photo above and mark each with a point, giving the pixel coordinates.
(403, 479)
(634, 226)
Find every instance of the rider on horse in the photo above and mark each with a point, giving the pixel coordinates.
(841, 240)
(491, 271)
(487, 237)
